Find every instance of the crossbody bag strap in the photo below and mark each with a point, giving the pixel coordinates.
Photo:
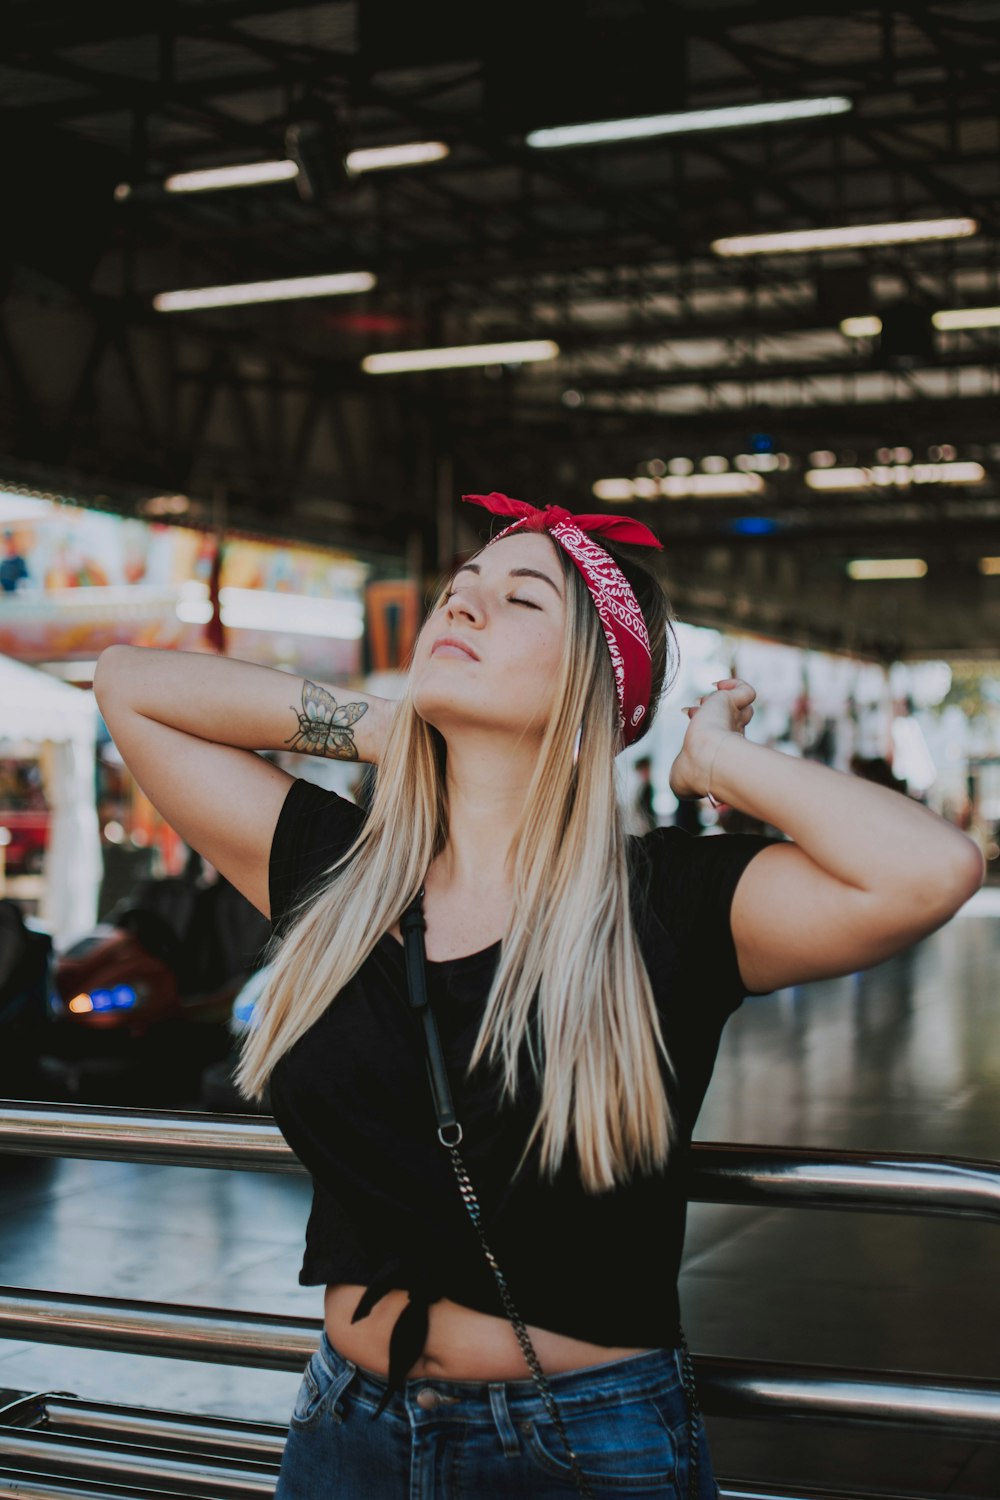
(412, 925)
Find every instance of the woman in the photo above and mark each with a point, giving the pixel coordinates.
(580, 980)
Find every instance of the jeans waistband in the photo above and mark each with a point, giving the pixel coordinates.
(636, 1374)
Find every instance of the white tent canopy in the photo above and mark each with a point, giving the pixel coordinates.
(39, 713)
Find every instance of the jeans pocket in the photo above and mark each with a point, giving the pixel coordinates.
(622, 1445)
(319, 1388)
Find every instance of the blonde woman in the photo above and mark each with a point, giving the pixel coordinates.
(580, 980)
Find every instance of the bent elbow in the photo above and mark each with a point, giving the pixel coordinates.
(104, 669)
(971, 872)
(954, 883)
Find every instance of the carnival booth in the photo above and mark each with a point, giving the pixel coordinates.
(54, 725)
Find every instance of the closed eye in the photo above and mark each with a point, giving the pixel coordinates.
(512, 600)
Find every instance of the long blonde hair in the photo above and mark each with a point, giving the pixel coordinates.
(593, 1038)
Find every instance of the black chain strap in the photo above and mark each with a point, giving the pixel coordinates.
(412, 926)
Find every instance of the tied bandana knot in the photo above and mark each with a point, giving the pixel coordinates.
(617, 528)
(620, 615)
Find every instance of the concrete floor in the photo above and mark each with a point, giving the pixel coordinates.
(905, 1057)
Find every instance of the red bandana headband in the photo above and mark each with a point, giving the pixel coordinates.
(617, 606)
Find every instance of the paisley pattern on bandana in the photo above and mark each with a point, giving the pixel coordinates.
(618, 608)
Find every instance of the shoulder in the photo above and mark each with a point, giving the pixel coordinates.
(689, 878)
(315, 827)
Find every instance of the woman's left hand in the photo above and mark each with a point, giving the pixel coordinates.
(726, 711)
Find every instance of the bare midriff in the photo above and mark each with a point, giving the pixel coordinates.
(462, 1344)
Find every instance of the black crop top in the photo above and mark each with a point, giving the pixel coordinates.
(352, 1100)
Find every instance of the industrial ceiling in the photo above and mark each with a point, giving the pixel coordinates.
(674, 359)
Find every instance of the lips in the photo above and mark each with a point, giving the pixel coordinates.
(456, 644)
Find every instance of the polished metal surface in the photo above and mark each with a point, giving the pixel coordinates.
(857, 1398)
(26, 1486)
(889, 1182)
(873, 1181)
(178, 1137)
(182, 1431)
(171, 1331)
(97, 1461)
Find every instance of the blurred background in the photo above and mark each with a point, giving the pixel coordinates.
(278, 283)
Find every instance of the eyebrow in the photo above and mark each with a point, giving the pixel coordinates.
(514, 573)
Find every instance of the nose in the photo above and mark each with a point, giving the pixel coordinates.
(462, 603)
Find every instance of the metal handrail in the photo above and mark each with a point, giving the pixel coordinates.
(183, 1432)
(866, 1181)
(170, 1330)
(729, 1387)
(870, 1181)
(159, 1471)
(224, 1438)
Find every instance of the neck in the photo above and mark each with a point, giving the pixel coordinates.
(487, 779)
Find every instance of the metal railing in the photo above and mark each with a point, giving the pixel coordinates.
(54, 1444)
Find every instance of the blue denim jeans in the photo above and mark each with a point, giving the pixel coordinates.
(491, 1440)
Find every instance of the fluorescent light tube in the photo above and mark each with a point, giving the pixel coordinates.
(613, 489)
(846, 237)
(711, 486)
(264, 291)
(728, 117)
(252, 173)
(966, 317)
(870, 568)
(410, 154)
(947, 319)
(242, 174)
(881, 475)
(680, 487)
(468, 354)
(861, 328)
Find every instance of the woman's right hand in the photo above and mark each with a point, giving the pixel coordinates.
(726, 711)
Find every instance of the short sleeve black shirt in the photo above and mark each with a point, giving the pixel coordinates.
(352, 1100)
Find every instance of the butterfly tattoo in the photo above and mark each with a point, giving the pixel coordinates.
(325, 725)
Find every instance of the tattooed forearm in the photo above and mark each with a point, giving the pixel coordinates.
(325, 725)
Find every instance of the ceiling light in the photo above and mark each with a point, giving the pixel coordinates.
(861, 328)
(711, 486)
(871, 568)
(947, 320)
(966, 317)
(613, 489)
(989, 565)
(264, 291)
(882, 475)
(463, 355)
(846, 237)
(758, 463)
(243, 174)
(727, 118)
(680, 487)
(411, 154)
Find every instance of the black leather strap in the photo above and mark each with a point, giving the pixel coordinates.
(412, 926)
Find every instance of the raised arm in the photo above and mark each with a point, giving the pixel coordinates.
(240, 703)
(869, 872)
(187, 725)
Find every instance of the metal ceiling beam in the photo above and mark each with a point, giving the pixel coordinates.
(107, 20)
